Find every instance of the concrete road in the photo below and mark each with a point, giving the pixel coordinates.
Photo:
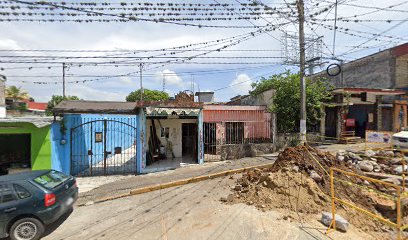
(102, 187)
(186, 212)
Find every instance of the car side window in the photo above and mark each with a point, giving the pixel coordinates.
(21, 191)
(7, 193)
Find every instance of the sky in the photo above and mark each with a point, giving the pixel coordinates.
(227, 80)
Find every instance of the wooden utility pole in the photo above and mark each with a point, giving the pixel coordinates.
(301, 12)
(63, 80)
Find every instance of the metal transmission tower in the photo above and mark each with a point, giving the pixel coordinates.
(291, 49)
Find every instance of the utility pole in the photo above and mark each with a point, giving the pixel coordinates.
(141, 81)
(63, 80)
(301, 12)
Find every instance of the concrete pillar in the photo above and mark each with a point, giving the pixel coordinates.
(340, 122)
(395, 117)
(200, 139)
(378, 109)
(274, 129)
(322, 120)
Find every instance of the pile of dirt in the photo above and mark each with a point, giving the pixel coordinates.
(298, 183)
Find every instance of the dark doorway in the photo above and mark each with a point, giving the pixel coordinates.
(331, 122)
(387, 119)
(360, 114)
(15, 151)
(189, 140)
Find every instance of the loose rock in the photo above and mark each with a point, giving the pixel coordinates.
(341, 223)
(230, 198)
(389, 154)
(398, 170)
(366, 166)
(392, 180)
(315, 176)
(354, 156)
(370, 153)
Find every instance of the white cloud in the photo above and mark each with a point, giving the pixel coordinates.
(126, 80)
(8, 44)
(241, 84)
(170, 77)
(90, 93)
(85, 92)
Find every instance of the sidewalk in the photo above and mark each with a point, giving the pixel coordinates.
(355, 147)
(116, 185)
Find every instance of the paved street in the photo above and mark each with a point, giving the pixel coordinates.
(187, 212)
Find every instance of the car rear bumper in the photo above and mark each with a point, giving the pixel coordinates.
(53, 213)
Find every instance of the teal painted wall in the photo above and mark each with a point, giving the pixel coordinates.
(40, 142)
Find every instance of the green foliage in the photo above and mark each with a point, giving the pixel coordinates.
(286, 100)
(55, 99)
(22, 107)
(148, 95)
(16, 93)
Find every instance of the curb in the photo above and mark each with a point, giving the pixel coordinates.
(175, 183)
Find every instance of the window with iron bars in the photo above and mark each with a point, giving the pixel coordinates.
(234, 132)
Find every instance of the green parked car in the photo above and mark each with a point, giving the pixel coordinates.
(30, 201)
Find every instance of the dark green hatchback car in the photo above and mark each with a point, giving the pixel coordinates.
(30, 201)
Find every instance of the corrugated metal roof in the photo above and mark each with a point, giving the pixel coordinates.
(81, 106)
(229, 113)
(39, 122)
(233, 107)
(168, 104)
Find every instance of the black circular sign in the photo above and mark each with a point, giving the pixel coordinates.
(333, 69)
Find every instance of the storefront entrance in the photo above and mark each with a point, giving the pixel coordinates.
(15, 152)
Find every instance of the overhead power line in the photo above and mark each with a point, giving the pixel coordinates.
(91, 15)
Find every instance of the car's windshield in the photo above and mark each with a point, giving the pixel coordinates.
(51, 180)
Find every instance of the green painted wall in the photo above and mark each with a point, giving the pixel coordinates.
(40, 142)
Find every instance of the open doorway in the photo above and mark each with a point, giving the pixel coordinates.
(15, 152)
(189, 140)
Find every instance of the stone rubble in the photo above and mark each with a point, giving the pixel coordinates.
(373, 161)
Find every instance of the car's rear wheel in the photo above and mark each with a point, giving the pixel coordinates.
(26, 229)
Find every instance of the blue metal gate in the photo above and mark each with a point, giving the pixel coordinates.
(103, 147)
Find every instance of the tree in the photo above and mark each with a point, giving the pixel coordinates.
(148, 95)
(16, 93)
(286, 100)
(55, 99)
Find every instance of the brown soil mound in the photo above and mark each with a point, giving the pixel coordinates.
(288, 185)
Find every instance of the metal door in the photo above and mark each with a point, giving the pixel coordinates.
(103, 147)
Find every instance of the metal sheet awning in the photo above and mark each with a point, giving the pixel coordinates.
(161, 111)
(39, 122)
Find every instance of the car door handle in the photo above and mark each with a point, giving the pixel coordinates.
(8, 210)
